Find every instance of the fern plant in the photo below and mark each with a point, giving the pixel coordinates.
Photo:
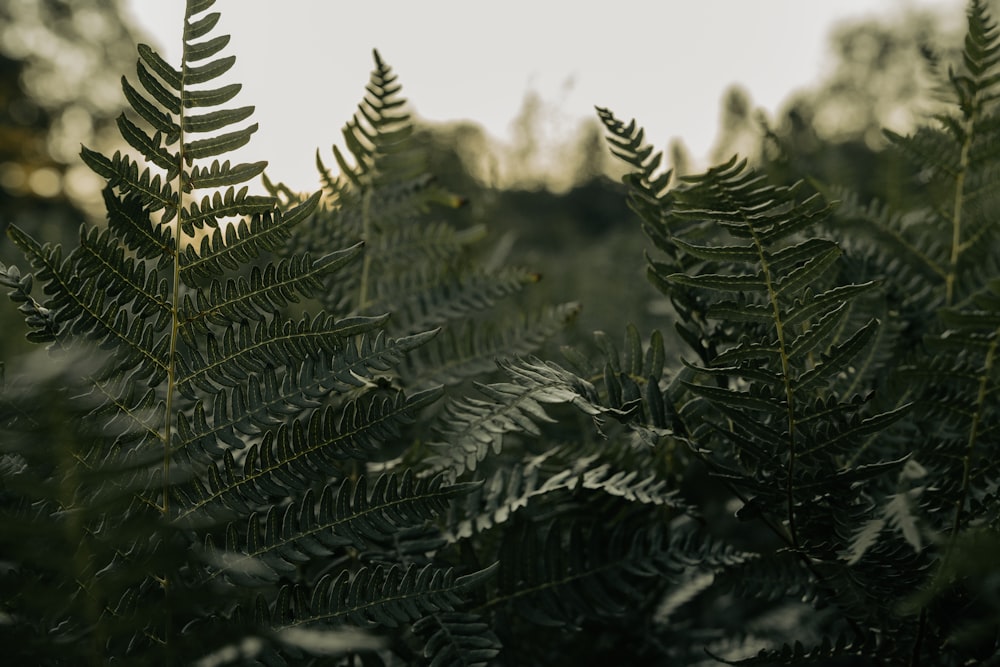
(231, 486)
(840, 392)
(421, 271)
(315, 429)
(845, 401)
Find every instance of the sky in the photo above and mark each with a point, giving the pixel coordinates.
(666, 63)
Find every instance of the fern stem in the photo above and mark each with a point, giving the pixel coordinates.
(175, 324)
(786, 380)
(171, 372)
(974, 432)
(956, 216)
(786, 538)
(366, 233)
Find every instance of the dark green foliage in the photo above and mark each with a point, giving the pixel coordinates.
(315, 429)
(235, 462)
(844, 400)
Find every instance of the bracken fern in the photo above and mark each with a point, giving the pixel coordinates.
(313, 429)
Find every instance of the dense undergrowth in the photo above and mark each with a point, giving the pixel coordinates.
(322, 429)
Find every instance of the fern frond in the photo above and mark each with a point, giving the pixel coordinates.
(292, 456)
(457, 639)
(648, 186)
(430, 297)
(471, 350)
(798, 654)
(782, 278)
(347, 515)
(779, 398)
(82, 306)
(557, 575)
(376, 597)
(230, 358)
(261, 293)
(229, 249)
(560, 473)
(470, 428)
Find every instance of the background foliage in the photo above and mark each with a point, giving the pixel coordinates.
(349, 427)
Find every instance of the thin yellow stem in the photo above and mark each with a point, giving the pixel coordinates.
(175, 325)
(366, 234)
(970, 446)
(956, 215)
(789, 401)
(787, 380)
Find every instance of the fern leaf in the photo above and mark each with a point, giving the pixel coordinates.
(231, 203)
(292, 456)
(558, 473)
(200, 50)
(208, 71)
(265, 399)
(631, 485)
(798, 654)
(279, 343)
(555, 575)
(210, 97)
(149, 112)
(346, 515)
(385, 597)
(123, 173)
(220, 175)
(130, 222)
(239, 243)
(160, 67)
(268, 290)
(149, 146)
(457, 639)
(160, 93)
(838, 356)
(219, 144)
(472, 427)
(459, 354)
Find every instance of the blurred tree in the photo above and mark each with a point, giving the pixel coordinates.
(884, 75)
(58, 90)
(739, 132)
(462, 154)
(523, 157)
(680, 158)
(562, 228)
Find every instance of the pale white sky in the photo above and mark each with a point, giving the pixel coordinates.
(304, 63)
